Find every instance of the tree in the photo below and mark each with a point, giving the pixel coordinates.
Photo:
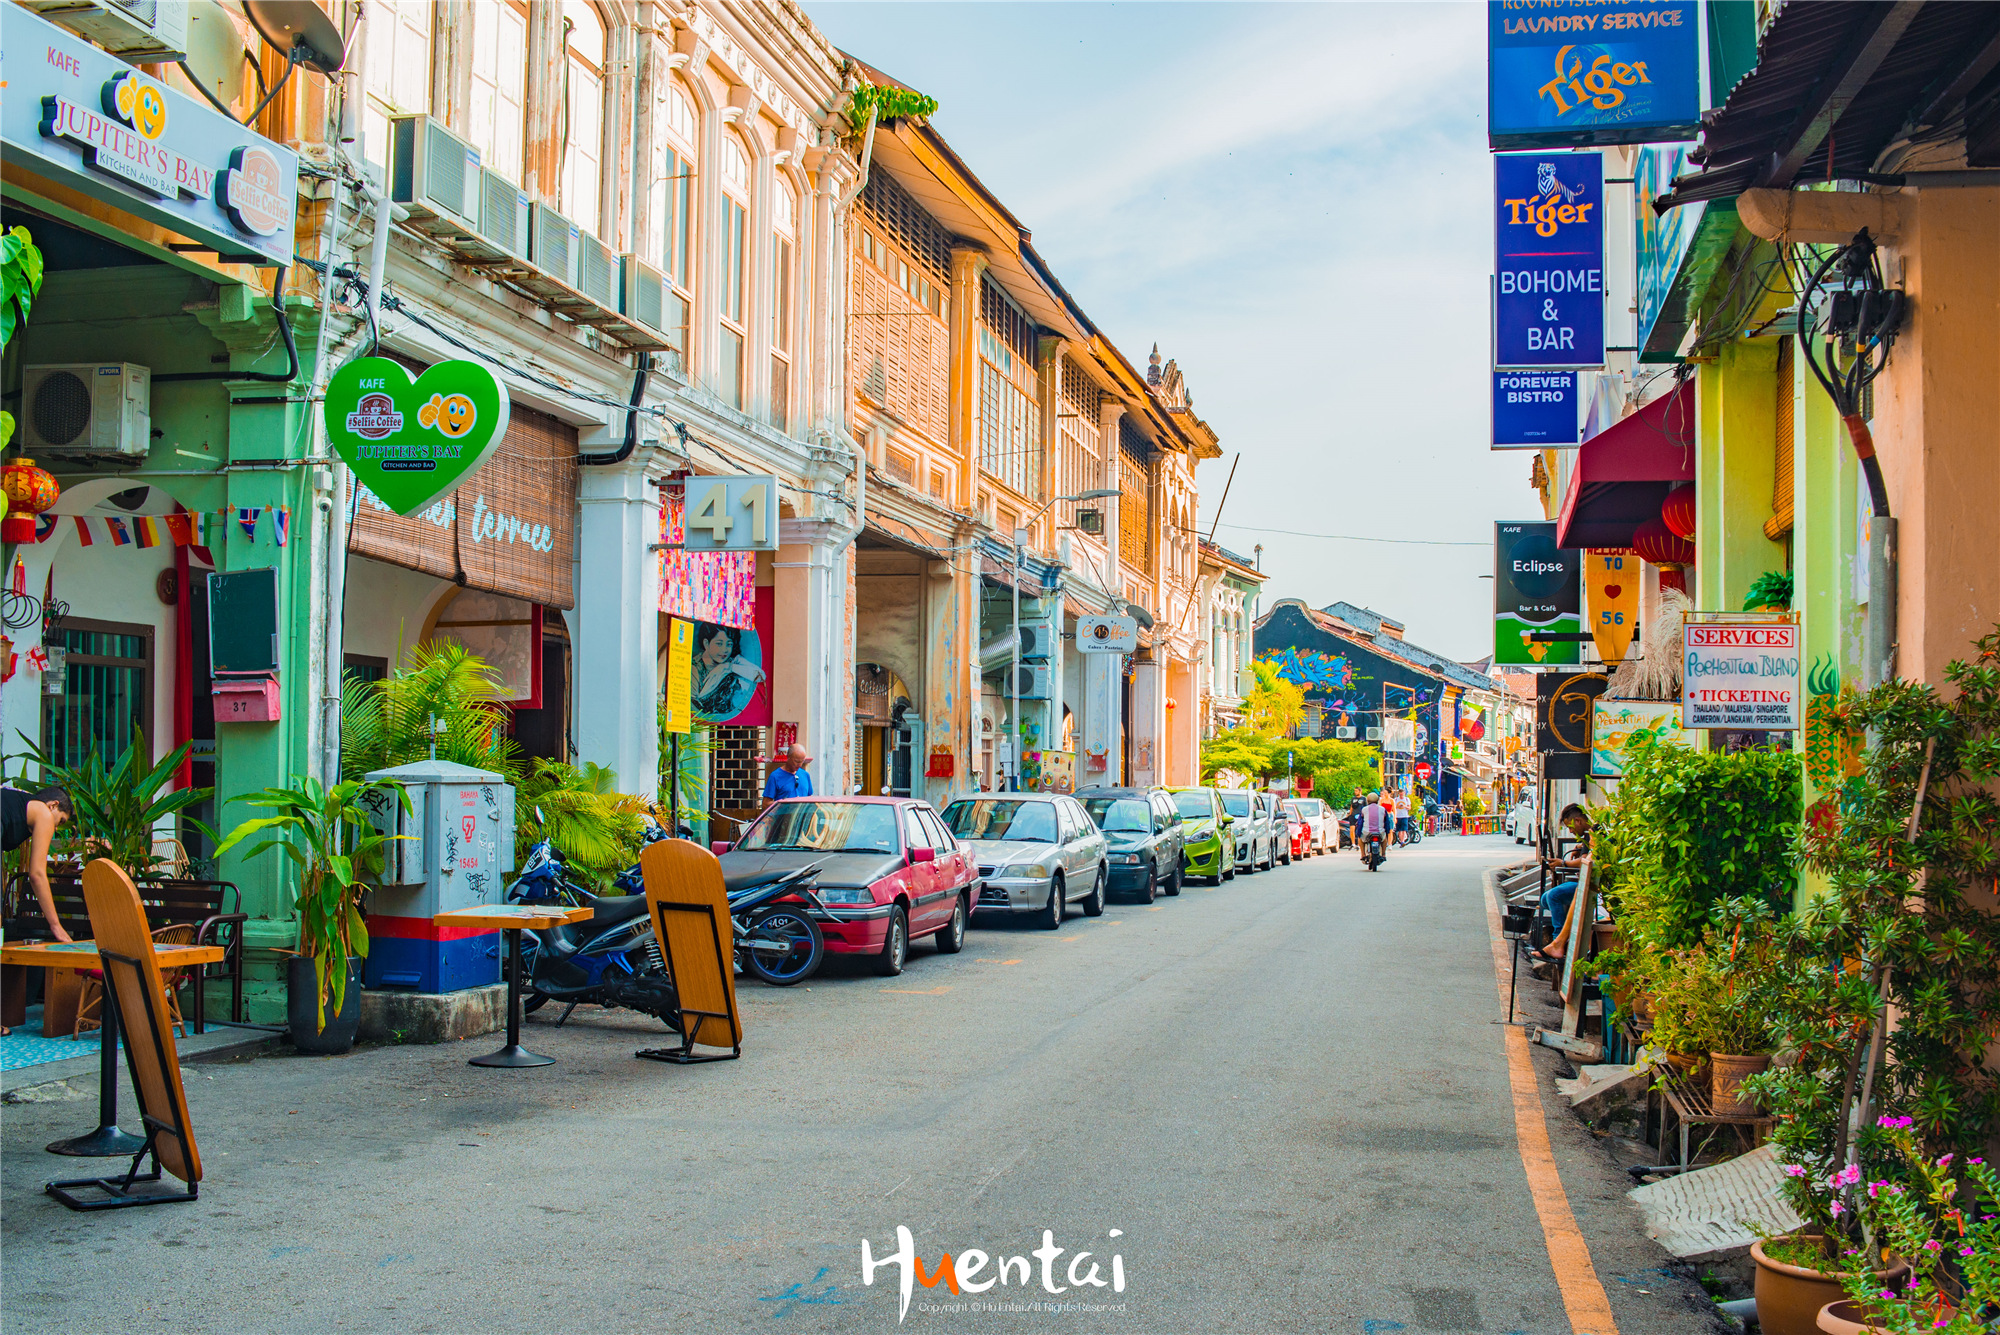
(1275, 707)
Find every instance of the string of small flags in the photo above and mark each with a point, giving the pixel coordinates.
(205, 528)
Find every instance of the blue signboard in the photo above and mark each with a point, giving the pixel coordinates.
(1534, 410)
(1548, 291)
(1592, 72)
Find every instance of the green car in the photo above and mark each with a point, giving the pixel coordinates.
(1210, 842)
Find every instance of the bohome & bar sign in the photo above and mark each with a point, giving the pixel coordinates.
(83, 118)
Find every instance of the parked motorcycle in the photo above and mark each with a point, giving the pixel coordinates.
(610, 959)
(779, 942)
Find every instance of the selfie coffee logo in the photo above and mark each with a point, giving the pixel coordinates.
(967, 1273)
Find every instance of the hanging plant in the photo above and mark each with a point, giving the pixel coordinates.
(888, 104)
(1772, 590)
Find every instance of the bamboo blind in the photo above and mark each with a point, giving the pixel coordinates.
(1780, 522)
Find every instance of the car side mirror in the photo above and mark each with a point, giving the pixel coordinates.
(720, 846)
(918, 855)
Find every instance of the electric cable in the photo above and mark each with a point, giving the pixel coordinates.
(284, 377)
(1864, 315)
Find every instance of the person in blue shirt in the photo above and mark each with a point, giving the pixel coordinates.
(790, 778)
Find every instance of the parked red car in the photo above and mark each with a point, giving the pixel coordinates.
(890, 871)
(1302, 833)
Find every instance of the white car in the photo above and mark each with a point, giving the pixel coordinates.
(1314, 813)
(1521, 822)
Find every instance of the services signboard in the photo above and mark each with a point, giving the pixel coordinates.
(1535, 410)
(83, 118)
(1537, 588)
(1548, 260)
(1592, 72)
(1741, 675)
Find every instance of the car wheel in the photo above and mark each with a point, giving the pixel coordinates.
(1151, 890)
(950, 938)
(1053, 913)
(1287, 859)
(1174, 886)
(896, 945)
(1093, 904)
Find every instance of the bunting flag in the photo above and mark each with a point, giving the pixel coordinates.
(246, 515)
(83, 538)
(182, 529)
(282, 521)
(116, 528)
(145, 531)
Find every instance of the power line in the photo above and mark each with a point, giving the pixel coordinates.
(1352, 537)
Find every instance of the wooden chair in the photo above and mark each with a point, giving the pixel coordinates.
(690, 914)
(125, 950)
(88, 1008)
(173, 857)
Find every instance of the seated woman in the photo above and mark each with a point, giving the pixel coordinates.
(1556, 899)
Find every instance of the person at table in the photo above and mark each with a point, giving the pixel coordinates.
(1556, 899)
(790, 778)
(32, 821)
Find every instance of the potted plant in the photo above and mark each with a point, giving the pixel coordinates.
(339, 856)
(120, 806)
(1947, 1226)
(1907, 848)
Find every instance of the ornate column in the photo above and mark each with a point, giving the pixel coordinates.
(615, 721)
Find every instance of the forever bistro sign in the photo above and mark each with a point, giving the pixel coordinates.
(85, 119)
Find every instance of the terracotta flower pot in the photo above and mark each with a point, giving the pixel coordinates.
(1789, 1297)
(1725, 1081)
(1847, 1317)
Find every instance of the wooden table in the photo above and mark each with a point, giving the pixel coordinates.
(107, 1140)
(510, 919)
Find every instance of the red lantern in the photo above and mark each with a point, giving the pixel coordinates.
(1655, 542)
(1677, 511)
(30, 490)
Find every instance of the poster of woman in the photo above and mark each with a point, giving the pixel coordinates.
(731, 679)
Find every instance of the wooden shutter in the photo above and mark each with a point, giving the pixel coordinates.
(1780, 522)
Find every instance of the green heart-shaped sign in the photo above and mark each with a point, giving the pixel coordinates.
(412, 443)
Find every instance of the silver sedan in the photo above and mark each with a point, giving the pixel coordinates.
(1038, 853)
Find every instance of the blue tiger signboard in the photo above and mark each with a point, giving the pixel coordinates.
(1592, 72)
(1548, 260)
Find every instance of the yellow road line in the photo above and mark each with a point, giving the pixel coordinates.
(1583, 1297)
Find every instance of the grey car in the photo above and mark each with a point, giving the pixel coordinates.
(1256, 834)
(1038, 853)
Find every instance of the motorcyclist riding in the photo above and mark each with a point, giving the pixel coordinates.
(1374, 823)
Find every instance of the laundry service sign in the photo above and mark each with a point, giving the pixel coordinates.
(82, 118)
(1592, 72)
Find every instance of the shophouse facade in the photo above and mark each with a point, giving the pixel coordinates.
(1230, 588)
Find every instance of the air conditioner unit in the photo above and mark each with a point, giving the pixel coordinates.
(1345, 733)
(1374, 734)
(434, 173)
(642, 293)
(138, 30)
(554, 244)
(596, 271)
(1033, 682)
(504, 217)
(1037, 640)
(87, 409)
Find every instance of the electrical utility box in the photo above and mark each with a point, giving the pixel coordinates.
(451, 850)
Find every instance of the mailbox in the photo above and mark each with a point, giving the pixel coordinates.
(451, 850)
(245, 699)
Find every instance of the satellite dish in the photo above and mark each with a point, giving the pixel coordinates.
(300, 30)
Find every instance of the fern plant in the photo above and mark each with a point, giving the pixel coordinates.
(1773, 588)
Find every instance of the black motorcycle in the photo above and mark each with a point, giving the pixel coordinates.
(1371, 851)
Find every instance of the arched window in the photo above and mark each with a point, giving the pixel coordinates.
(499, 64)
(399, 69)
(583, 112)
(784, 247)
(734, 336)
(670, 211)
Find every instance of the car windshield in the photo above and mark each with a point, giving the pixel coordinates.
(1119, 813)
(1194, 804)
(994, 818)
(824, 827)
(1236, 804)
(1310, 807)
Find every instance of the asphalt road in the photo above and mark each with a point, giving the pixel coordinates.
(1288, 1097)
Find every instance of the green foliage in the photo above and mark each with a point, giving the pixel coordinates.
(1947, 1227)
(118, 806)
(888, 104)
(1275, 707)
(1338, 769)
(698, 742)
(1472, 803)
(578, 809)
(388, 722)
(338, 854)
(1907, 923)
(1714, 996)
(20, 283)
(1773, 588)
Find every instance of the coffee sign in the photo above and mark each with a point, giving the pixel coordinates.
(413, 442)
(81, 117)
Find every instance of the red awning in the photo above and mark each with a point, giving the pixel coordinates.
(1623, 472)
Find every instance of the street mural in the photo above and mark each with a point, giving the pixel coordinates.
(1310, 668)
(1616, 725)
(731, 679)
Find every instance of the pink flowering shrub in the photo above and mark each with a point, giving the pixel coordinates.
(1946, 1228)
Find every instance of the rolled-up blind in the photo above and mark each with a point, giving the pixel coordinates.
(1780, 522)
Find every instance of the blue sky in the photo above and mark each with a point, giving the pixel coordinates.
(1292, 200)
